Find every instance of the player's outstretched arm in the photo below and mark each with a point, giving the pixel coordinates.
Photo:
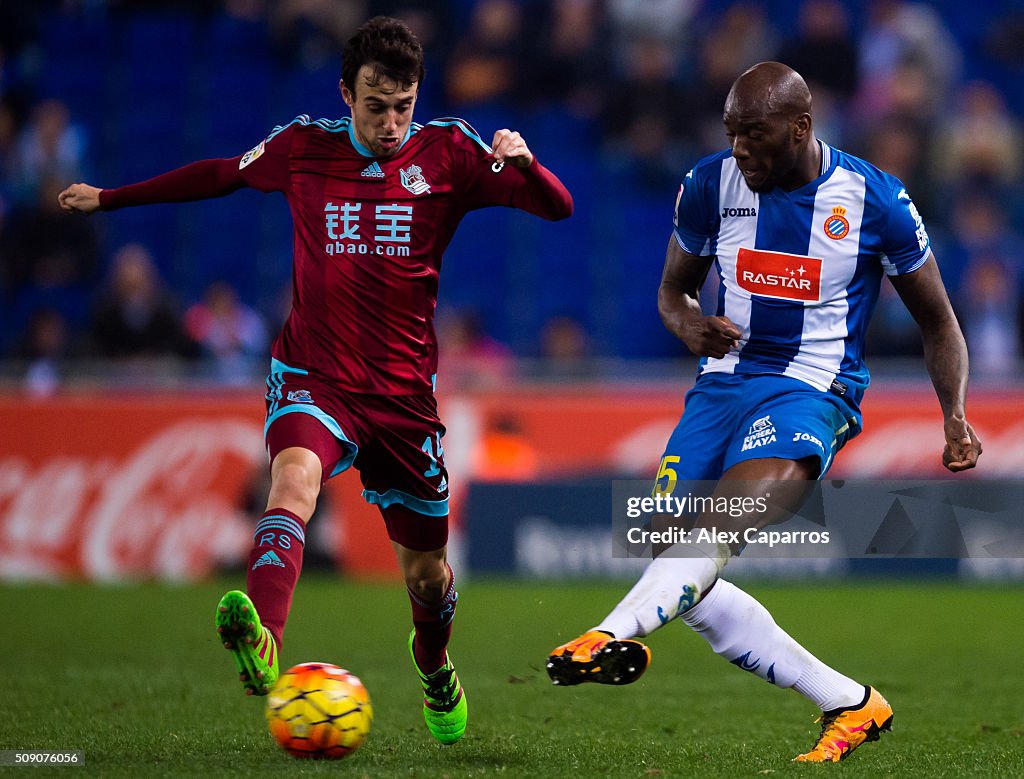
(80, 197)
(197, 181)
(945, 355)
(679, 305)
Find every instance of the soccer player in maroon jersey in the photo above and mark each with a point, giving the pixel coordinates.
(375, 199)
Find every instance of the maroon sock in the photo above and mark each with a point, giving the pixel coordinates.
(433, 623)
(274, 566)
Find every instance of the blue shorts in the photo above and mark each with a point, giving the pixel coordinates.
(730, 418)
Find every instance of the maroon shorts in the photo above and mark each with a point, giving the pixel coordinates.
(394, 441)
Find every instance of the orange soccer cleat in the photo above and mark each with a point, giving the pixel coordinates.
(598, 657)
(843, 730)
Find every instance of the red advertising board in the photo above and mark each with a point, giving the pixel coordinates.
(106, 486)
(109, 487)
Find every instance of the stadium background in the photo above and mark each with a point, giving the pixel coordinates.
(131, 453)
(134, 343)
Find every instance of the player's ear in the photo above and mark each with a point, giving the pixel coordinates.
(346, 94)
(802, 127)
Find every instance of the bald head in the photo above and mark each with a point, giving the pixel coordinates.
(768, 123)
(770, 88)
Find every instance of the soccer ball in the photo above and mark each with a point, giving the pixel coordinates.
(319, 710)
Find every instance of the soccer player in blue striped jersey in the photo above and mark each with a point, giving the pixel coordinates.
(800, 234)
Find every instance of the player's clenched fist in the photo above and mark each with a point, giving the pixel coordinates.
(711, 336)
(80, 197)
(509, 146)
(962, 445)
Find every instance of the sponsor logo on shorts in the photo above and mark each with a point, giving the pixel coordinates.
(300, 396)
(761, 433)
(808, 437)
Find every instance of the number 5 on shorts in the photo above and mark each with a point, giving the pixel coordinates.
(668, 473)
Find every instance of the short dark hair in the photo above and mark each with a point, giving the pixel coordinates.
(389, 47)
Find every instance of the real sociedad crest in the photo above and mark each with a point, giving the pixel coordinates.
(412, 180)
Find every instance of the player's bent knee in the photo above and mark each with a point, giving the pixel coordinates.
(296, 486)
(427, 579)
(428, 590)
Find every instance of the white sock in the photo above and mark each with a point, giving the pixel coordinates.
(669, 586)
(742, 631)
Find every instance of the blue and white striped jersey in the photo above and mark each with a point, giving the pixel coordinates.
(800, 271)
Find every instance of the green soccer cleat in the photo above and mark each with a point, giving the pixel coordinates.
(251, 644)
(444, 701)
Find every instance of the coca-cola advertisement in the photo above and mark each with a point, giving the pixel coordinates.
(109, 489)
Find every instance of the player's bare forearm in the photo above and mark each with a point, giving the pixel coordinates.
(945, 351)
(945, 354)
(679, 305)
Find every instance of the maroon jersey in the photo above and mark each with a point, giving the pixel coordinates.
(369, 235)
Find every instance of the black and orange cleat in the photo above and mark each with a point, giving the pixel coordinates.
(598, 657)
(843, 730)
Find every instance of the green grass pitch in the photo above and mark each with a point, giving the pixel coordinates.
(135, 677)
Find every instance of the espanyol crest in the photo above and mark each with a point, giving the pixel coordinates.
(837, 226)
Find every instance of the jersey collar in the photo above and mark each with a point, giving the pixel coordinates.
(826, 157)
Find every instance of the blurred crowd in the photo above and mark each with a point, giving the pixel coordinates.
(931, 92)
